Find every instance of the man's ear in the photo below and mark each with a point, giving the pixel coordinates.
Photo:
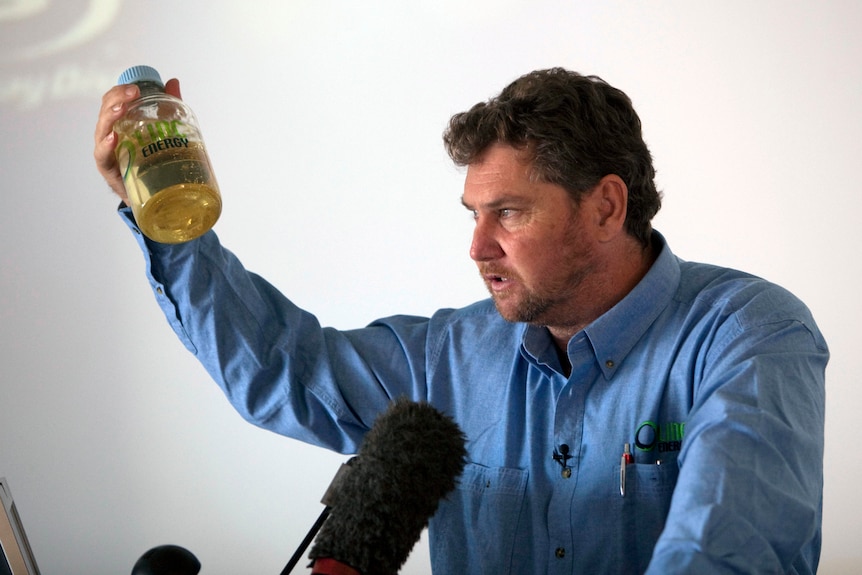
(611, 196)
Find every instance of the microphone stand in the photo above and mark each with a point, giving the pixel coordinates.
(327, 501)
(307, 541)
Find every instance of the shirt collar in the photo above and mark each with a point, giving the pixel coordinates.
(615, 333)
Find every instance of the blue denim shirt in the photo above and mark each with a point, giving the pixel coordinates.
(715, 378)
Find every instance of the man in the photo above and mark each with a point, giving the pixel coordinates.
(626, 411)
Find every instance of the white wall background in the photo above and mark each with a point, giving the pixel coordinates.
(323, 118)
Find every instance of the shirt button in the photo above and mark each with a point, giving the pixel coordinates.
(567, 472)
(609, 363)
(159, 290)
(560, 552)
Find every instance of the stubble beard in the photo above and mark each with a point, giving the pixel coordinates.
(550, 307)
(525, 306)
(531, 308)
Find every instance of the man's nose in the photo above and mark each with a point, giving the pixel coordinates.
(485, 246)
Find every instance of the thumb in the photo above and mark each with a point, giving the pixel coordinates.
(172, 87)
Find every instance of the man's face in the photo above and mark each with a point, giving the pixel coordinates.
(531, 242)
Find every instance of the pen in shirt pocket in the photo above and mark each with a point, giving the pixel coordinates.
(624, 462)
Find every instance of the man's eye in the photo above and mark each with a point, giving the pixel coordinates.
(506, 212)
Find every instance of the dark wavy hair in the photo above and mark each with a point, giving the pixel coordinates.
(575, 130)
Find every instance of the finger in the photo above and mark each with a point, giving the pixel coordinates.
(114, 105)
(103, 153)
(106, 163)
(172, 87)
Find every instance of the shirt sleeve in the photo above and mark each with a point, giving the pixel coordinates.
(748, 498)
(275, 363)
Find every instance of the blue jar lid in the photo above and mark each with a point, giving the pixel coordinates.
(140, 74)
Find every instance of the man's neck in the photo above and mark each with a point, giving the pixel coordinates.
(621, 281)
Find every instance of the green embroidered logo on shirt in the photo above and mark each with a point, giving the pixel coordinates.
(659, 437)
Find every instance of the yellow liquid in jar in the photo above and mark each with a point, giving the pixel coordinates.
(175, 197)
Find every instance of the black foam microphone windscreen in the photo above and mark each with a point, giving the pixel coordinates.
(410, 459)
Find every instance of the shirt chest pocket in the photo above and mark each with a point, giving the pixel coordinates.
(642, 510)
(648, 480)
(474, 530)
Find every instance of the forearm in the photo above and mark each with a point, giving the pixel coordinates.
(274, 362)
